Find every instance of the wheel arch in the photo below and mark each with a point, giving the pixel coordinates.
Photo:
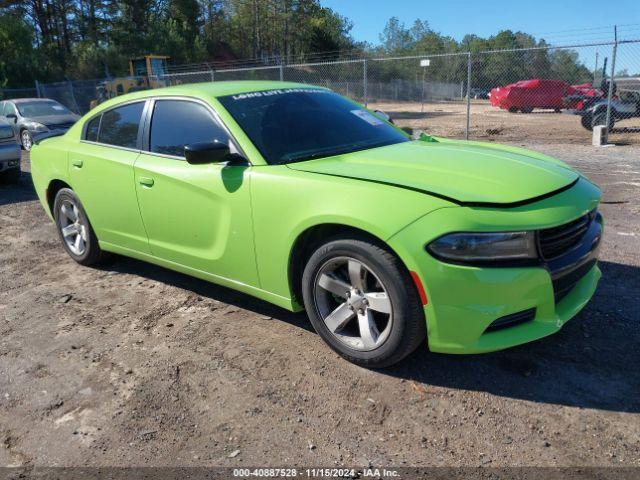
(306, 242)
(53, 188)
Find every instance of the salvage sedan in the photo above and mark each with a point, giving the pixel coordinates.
(33, 117)
(305, 199)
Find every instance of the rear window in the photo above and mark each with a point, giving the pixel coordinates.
(91, 132)
(119, 127)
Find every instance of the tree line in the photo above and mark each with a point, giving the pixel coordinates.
(51, 40)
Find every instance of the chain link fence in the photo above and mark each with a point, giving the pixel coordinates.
(546, 94)
(8, 93)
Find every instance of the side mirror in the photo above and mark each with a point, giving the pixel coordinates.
(384, 116)
(206, 152)
(12, 116)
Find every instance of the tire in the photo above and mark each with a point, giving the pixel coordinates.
(391, 305)
(600, 118)
(11, 176)
(26, 140)
(586, 122)
(557, 110)
(90, 253)
(527, 110)
(513, 110)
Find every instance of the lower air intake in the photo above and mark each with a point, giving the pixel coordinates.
(512, 320)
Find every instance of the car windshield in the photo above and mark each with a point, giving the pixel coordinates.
(41, 109)
(296, 124)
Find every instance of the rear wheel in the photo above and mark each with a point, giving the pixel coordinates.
(586, 122)
(513, 110)
(74, 229)
(527, 110)
(362, 301)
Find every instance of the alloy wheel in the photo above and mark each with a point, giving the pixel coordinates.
(27, 143)
(73, 227)
(353, 303)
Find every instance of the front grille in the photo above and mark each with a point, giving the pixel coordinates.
(512, 320)
(556, 241)
(562, 286)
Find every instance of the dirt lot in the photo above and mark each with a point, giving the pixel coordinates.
(492, 124)
(132, 364)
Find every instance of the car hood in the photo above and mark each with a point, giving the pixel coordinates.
(462, 172)
(64, 119)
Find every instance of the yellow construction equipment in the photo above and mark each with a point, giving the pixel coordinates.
(144, 73)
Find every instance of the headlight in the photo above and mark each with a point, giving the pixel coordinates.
(485, 247)
(36, 127)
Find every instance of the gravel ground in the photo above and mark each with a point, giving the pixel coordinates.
(493, 124)
(132, 364)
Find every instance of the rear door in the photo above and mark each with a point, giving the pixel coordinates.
(198, 216)
(101, 172)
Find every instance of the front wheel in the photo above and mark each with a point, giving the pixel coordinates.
(27, 140)
(586, 122)
(362, 301)
(74, 229)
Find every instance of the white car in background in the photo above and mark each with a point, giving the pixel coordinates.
(9, 153)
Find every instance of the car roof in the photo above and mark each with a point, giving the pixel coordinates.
(25, 100)
(208, 89)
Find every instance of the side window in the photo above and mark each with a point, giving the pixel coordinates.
(7, 108)
(91, 133)
(176, 123)
(119, 126)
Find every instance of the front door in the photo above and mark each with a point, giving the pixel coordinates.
(198, 216)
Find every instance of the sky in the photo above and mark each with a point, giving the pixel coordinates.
(562, 22)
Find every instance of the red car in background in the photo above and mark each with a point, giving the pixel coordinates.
(526, 95)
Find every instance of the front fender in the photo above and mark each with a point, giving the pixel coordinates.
(286, 203)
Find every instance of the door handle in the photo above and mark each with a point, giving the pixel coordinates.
(146, 181)
(77, 163)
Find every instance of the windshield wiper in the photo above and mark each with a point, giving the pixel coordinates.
(330, 152)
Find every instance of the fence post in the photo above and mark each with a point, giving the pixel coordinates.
(73, 96)
(424, 74)
(466, 131)
(364, 82)
(281, 72)
(213, 76)
(611, 84)
(37, 88)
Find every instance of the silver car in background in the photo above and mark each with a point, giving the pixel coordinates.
(9, 153)
(32, 117)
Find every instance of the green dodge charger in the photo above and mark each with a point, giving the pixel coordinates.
(305, 199)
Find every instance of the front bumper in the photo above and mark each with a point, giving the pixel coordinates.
(463, 301)
(9, 156)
